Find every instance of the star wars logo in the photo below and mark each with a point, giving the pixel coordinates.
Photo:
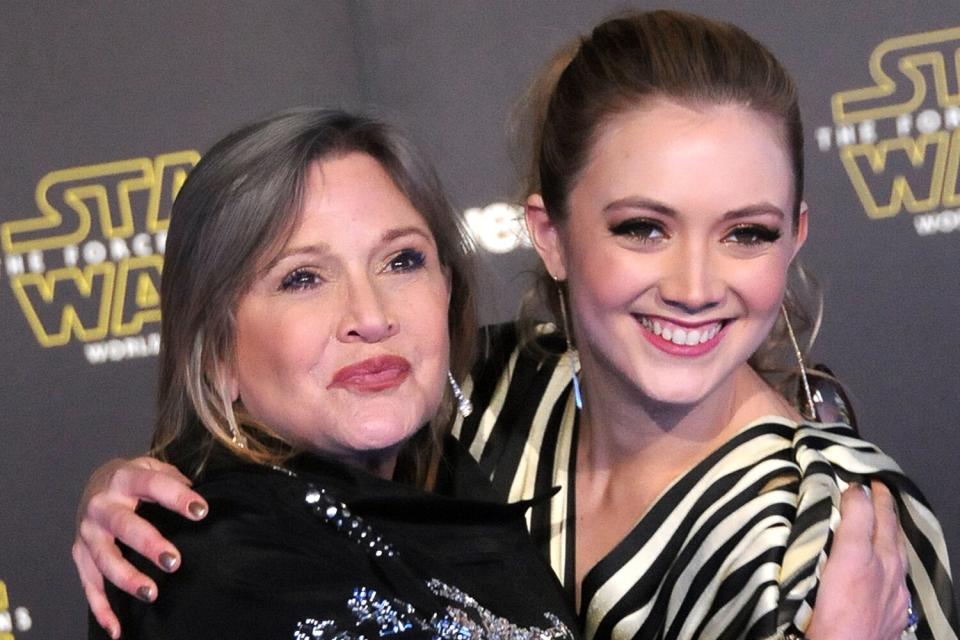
(86, 268)
(899, 138)
(10, 621)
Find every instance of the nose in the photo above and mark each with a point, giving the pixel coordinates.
(367, 315)
(691, 283)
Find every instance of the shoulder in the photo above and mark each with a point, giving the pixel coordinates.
(250, 567)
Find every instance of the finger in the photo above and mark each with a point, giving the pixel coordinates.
(857, 523)
(887, 530)
(115, 568)
(118, 521)
(157, 465)
(92, 581)
(889, 541)
(161, 485)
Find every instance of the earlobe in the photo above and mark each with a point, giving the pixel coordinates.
(545, 236)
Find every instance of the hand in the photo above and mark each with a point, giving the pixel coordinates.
(863, 591)
(106, 513)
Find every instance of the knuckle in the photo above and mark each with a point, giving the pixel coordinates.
(86, 532)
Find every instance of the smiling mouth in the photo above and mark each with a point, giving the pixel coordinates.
(682, 336)
(372, 374)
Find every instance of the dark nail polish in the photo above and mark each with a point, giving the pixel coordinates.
(145, 593)
(197, 509)
(168, 561)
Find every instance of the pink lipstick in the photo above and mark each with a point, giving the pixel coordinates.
(682, 338)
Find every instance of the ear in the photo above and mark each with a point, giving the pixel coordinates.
(545, 237)
(802, 221)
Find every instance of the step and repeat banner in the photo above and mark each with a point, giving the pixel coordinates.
(105, 108)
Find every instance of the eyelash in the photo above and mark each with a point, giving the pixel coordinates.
(300, 279)
(640, 229)
(407, 260)
(404, 261)
(644, 229)
(757, 234)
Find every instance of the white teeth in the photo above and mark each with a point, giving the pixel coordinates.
(679, 335)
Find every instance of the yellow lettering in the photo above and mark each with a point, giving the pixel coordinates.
(41, 298)
(137, 286)
(893, 58)
(909, 186)
(6, 624)
(171, 171)
(64, 197)
(69, 200)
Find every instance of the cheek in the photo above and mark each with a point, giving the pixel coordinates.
(277, 350)
(762, 288)
(425, 317)
(609, 279)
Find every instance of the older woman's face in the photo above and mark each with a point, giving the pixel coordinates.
(676, 248)
(341, 342)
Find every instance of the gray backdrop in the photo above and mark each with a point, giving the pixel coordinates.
(99, 101)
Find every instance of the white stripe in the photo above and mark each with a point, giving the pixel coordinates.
(625, 577)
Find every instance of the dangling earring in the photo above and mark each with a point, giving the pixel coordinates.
(577, 397)
(464, 406)
(811, 412)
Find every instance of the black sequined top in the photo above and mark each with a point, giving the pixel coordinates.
(332, 552)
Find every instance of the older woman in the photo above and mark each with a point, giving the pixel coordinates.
(313, 276)
(695, 500)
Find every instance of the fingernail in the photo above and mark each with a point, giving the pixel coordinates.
(111, 631)
(145, 593)
(168, 561)
(197, 509)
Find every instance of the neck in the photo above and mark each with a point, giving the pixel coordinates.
(621, 426)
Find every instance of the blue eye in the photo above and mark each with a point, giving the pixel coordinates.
(642, 229)
(753, 234)
(300, 279)
(407, 260)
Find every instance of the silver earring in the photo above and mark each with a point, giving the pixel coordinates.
(577, 396)
(464, 406)
(811, 412)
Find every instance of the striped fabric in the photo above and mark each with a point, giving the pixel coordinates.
(732, 549)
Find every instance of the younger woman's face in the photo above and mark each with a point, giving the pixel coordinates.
(675, 248)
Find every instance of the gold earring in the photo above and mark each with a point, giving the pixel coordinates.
(811, 412)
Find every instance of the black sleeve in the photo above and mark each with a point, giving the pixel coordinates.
(251, 569)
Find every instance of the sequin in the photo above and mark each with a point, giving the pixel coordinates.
(462, 619)
(339, 516)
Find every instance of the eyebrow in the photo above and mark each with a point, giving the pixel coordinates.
(632, 202)
(393, 234)
(322, 248)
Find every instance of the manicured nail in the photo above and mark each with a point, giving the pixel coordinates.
(145, 593)
(168, 561)
(197, 509)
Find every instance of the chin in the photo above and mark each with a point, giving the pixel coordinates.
(386, 433)
(679, 390)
